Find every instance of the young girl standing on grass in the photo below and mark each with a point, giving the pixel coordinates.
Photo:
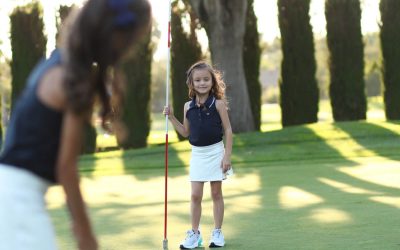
(44, 136)
(205, 122)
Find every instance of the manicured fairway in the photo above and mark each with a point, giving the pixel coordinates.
(322, 186)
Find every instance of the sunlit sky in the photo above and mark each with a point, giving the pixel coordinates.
(266, 11)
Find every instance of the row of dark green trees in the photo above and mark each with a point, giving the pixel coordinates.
(299, 93)
(298, 85)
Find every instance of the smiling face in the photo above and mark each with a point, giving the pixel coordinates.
(202, 81)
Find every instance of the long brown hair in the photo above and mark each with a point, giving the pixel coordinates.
(218, 84)
(94, 39)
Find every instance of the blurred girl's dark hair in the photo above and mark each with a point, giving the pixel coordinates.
(93, 40)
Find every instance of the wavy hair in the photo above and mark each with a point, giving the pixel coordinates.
(218, 84)
(93, 40)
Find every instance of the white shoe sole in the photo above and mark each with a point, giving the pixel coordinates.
(195, 245)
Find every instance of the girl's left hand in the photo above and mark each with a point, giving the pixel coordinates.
(226, 164)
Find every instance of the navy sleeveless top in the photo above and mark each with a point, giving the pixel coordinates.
(33, 135)
(204, 123)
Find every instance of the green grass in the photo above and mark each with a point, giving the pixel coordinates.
(320, 186)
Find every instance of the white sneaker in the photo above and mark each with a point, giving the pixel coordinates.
(192, 240)
(217, 238)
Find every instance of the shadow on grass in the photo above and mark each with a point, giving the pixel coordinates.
(300, 196)
(156, 159)
(114, 223)
(293, 144)
(373, 137)
(312, 204)
(133, 162)
(299, 211)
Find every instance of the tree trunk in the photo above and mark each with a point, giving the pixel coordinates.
(252, 59)
(181, 62)
(136, 104)
(28, 44)
(224, 21)
(390, 36)
(298, 87)
(346, 60)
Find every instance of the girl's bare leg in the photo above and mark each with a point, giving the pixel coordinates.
(195, 204)
(218, 203)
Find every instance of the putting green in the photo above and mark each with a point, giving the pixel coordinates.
(322, 186)
(337, 205)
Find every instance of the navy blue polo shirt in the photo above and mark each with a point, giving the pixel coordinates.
(204, 123)
(33, 135)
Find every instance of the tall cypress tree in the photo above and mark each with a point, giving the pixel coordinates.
(251, 63)
(390, 37)
(298, 85)
(185, 51)
(136, 105)
(28, 44)
(346, 62)
(63, 12)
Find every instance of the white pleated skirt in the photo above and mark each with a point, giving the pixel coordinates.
(24, 221)
(206, 163)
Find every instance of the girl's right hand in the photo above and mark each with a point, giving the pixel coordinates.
(168, 111)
